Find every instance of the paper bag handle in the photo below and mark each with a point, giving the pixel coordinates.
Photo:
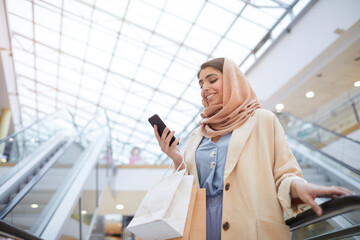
(177, 170)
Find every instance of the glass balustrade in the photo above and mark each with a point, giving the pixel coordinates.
(44, 197)
(340, 147)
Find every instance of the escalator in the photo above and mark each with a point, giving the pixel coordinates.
(329, 159)
(50, 180)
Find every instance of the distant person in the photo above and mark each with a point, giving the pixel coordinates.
(239, 153)
(135, 156)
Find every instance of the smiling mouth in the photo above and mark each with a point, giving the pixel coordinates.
(208, 97)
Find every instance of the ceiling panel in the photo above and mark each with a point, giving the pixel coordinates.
(133, 58)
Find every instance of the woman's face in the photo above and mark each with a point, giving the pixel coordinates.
(210, 81)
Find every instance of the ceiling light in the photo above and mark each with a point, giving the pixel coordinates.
(11, 139)
(83, 212)
(119, 206)
(34, 205)
(357, 84)
(3, 160)
(310, 94)
(279, 107)
(32, 140)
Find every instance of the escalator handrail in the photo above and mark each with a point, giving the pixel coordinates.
(16, 232)
(37, 121)
(331, 208)
(338, 234)
(316, 125)
(347, 166)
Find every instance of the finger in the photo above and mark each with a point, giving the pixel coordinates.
(345, 190)
(156, 133)
(169, 137)
(175, 143)
(317, 209)
(330, 191)
(165, 133)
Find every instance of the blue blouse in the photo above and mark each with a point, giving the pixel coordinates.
(210, 162)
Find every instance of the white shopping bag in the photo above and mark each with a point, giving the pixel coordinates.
(162, 213)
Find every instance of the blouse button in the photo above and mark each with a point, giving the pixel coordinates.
(227, 186)
(226, 226)
(212, 164)
(212, 154)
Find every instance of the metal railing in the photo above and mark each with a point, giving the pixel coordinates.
(335, 207)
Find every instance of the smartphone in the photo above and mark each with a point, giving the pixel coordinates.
(156, 120)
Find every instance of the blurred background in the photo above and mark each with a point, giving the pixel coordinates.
(84, 76)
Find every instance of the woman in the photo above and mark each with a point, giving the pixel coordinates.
(240, 155)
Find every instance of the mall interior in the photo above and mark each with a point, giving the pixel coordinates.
(80, 78)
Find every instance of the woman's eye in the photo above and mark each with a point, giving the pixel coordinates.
(213, 81)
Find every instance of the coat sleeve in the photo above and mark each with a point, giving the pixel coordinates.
(286, 169)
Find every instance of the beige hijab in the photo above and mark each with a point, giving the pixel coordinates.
(239, 103)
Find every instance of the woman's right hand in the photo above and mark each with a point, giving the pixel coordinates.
(172, 151)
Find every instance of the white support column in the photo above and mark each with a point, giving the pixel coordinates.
(8, 89)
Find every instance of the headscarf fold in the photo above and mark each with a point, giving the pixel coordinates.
(239, 103)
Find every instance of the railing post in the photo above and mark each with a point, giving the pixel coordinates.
(355, 111)
(80, 220)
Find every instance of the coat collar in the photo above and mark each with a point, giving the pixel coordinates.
(236, 145)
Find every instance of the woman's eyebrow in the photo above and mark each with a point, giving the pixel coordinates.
(211, 74)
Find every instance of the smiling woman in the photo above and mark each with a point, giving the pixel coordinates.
(240, 155)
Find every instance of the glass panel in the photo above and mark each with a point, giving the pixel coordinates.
(134, 51)
(102, 40)
(78, 9)
(156, 61)
(21, 26)
(148, 77)
(231, 50)
(49, 19)
(182, 9)
(162, 44)
(105, 21)
(113, 7)
(258, 16)
(73, 47)
(234, 6)
(78, 30)
(23, 145)
(23, 11)
(215, 19)
(251, 36)
(166, 27)
(202, 39)
(149, 14)
(335, 145)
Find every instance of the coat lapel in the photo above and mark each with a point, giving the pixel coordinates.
(190, 151)
(237, 143)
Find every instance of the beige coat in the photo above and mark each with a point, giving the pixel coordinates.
(259, 169)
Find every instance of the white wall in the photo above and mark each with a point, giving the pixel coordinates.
(307, 39)
(137, 179)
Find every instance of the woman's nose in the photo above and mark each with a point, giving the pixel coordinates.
(205, 87)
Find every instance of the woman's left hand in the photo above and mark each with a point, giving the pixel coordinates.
(307, 192)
